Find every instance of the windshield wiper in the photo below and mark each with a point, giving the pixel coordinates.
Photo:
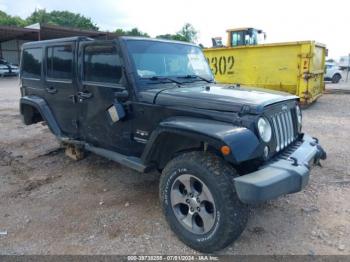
(197, 76)
(159, 78)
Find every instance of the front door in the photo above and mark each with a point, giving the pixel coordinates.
(60, 86)
(104, 118)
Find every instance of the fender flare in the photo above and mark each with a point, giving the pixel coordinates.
(243, 142)
(40, 104)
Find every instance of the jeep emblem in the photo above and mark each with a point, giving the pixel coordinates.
(284, 108)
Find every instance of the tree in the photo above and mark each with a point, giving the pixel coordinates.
(186, 34)
(176, 37)
(39, 16)
(61, 18)
(189, 33)
(6, 19)
(133, 32)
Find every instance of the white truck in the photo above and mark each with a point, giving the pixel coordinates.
(332, 72)
(344, 62)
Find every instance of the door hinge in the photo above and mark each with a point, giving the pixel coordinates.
(73, 98)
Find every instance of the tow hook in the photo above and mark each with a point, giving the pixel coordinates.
(321, 154)
(314, 143)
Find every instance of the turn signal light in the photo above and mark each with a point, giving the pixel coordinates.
(225, 150)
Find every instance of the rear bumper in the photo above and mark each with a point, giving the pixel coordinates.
(280, 177)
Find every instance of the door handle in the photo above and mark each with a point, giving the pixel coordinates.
(84, 95)
(51, 90)
(122, 95)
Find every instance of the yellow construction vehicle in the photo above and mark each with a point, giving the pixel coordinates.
(294, 67)
(241, 37)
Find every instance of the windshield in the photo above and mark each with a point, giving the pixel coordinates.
(163, 59)
(3, 61)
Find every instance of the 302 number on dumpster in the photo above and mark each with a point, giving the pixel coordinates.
(221, 64)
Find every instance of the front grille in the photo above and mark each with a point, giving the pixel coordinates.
(288, 152)
(283, 128)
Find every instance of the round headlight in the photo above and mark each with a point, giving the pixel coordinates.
(299, 116)
(264, 129)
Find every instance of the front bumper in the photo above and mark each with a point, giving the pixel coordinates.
(13, 73)
(280, 177)
(7, 73)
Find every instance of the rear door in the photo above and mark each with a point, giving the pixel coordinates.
(61, 86)
(103, 95)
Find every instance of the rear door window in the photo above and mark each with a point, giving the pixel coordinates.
(59, 62)
(31, 63)
(102, 63)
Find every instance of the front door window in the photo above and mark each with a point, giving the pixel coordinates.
(237, 38)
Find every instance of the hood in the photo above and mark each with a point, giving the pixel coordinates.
(216, 97)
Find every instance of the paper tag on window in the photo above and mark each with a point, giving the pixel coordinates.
(113, 113)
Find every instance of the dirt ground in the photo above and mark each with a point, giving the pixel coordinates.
(50, 204)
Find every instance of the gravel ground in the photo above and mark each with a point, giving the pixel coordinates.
(51, 204)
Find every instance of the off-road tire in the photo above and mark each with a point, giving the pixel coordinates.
(74, 152)
(231, 214)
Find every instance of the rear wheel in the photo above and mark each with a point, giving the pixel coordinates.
(199, 202)
(75, 152)
(336, 78)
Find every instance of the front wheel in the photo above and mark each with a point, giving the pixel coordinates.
(199, 202)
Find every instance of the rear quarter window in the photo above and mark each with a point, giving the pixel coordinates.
(31, 63)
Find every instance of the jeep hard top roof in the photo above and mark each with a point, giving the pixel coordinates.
(84, 38)
(156, 40)
(57, 40)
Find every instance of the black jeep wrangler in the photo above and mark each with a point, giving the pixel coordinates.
(154, 105)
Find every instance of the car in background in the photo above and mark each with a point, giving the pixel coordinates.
(344, 62)
(7, 69)
(3, 70)
(332, 73)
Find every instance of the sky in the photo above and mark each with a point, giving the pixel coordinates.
(326, 22)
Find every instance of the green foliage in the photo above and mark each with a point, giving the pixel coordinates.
(61, 18)
(6, 19)
(176, 37)
(187, 34)
(65, 18)
(38, 16)
(133, 32)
